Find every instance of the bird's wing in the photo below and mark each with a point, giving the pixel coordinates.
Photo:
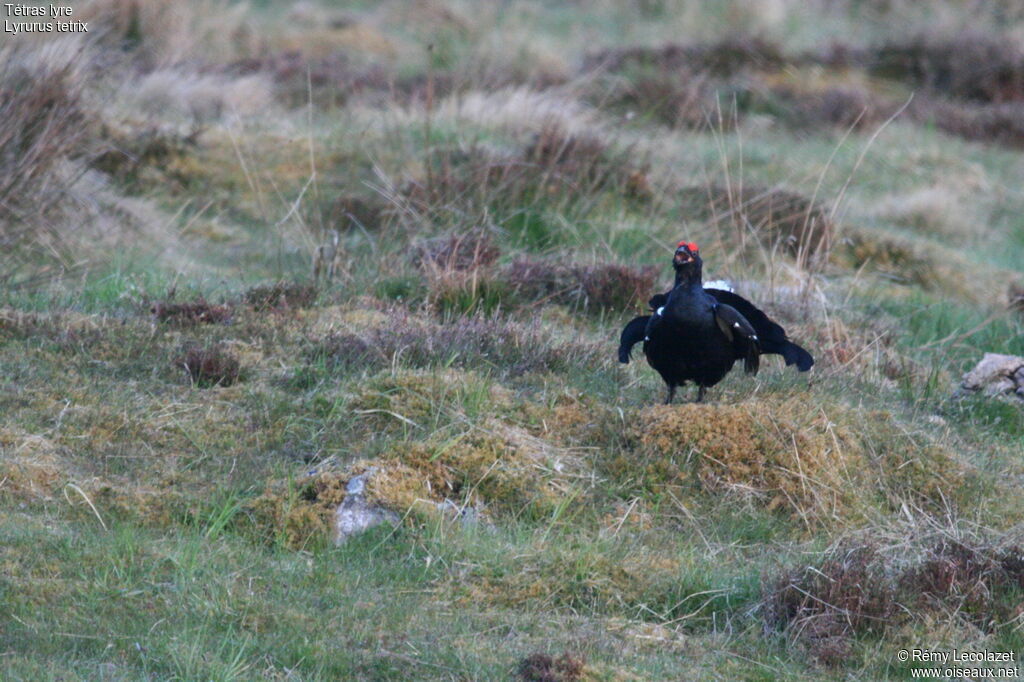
(632, 334)
(766, 329)
(742, 335)
(658, 301)
(771, 336)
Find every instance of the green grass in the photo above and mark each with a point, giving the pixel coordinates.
(152, 528)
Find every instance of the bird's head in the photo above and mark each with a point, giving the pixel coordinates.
(686, 261)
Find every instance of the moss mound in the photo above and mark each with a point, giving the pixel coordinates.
(820, 461)
(295, 513)
(31, 466)
(497, 467)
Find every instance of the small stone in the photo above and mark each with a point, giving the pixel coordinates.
(355, 514)
(467, 516)
(994, 375)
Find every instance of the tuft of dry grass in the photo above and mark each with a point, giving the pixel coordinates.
(554, 164)
(43, 121)
(775, 216)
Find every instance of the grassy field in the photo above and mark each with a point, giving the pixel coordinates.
(250, 251)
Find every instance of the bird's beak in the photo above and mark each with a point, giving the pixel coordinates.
(682, 257)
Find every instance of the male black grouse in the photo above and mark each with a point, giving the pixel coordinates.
(697, 334)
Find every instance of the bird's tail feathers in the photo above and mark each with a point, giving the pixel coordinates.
(752, 360)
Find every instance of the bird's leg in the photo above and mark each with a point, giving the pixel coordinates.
(700, 394)
(671, 394)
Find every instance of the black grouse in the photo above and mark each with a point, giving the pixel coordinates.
(697, 334)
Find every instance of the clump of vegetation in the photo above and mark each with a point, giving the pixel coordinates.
(210, 366)
(789, 454)
(553, 168)
(823, 606)
(778, 217)
(45, 120)
(541, 667)
(862, 589)
(981, 581)
(598, 287)
(189, 313)
(469, 250)
(296, 514)
(126, 151)
(493, 467)
(588, 159)
(972, 65)
(456, 269)
(822, 462)
(31, 465)
(281, 295)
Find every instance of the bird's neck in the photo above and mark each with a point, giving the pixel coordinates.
(686, 296)
(689, 280)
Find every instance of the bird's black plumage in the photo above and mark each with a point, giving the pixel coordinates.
(697, 334)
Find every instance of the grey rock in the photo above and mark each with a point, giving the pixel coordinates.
(995, 375)
(467, 516)
(355, 514)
